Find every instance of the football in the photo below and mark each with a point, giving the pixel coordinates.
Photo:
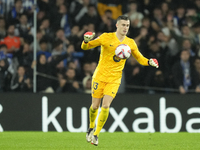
(123, 51)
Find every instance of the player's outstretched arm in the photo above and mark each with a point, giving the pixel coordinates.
(88, 36)
(88, 43)
(153, 62)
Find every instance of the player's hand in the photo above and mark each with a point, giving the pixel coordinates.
(88, 36)
(153, 62)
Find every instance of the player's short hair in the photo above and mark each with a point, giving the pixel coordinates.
(122, 18)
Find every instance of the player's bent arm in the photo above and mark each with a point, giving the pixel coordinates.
(84, 46)
(91, 44)
(144, 61)
(140, 58)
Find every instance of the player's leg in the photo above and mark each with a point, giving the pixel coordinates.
(107, 99)
(103, 116)
(93, 111)
(110, 93)
(97, 94)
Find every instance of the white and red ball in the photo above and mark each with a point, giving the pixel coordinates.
(123, 51)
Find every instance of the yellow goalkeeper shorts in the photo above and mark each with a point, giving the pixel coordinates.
(99, 88)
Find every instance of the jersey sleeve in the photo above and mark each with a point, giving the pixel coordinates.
(137, 55)
(93, 43)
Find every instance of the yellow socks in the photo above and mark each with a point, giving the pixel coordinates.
(101, 120)
(93, 114)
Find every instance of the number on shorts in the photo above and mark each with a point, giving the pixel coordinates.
(95, 85)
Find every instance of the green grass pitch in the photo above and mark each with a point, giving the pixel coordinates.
(107, 141)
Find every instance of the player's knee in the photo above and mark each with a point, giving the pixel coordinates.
(95, 107)
(105, 106)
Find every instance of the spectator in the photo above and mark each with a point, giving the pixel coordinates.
(142, 40)
(164, 8)
(3, 68)
(170, 50)
(57, 48)
(74, 55)
(197, 4)
(107, 26)
(46, 29)
(196, 30)
(39, 36)
(76, 35)
(180, 36)
(20, 82)
(62, 20)
(86, 70)
(12, 42)
(186, 45)
(134, 16)
(156, 79)
(155, 51)
(107, 22)
(4, 54)
(147, 23)
(90, 17)
(157, 21)
(153, 35)
(146, 7)
(184, 78)
(173, 4)
(44, 6)
(87, 82)
(24, 56)
(8, 57)
(75, 8)
(2, 28)
(69, 83)
(46, 69)
(134, 75)
(40, 16)
(165, 37)
(60, 34)
(74, 65)
(197, 68)
(17, 10)
(91, 27)
(44, 49)
(82, 11)
(28, 5)
(191, 16)
(179, 18)
(5, 7)
(60, 68)
(23, 29)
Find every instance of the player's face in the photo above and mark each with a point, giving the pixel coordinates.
(123, 26)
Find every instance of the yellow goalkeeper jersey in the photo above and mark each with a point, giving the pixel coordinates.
(110, 67)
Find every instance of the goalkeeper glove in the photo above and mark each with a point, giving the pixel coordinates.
(153, 62)
(88, 36)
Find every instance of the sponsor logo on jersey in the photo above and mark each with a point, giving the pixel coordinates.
(116, 59)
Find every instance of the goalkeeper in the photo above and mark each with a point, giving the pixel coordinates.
(107, 76)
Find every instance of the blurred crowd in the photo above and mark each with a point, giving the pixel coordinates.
(167, 30)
